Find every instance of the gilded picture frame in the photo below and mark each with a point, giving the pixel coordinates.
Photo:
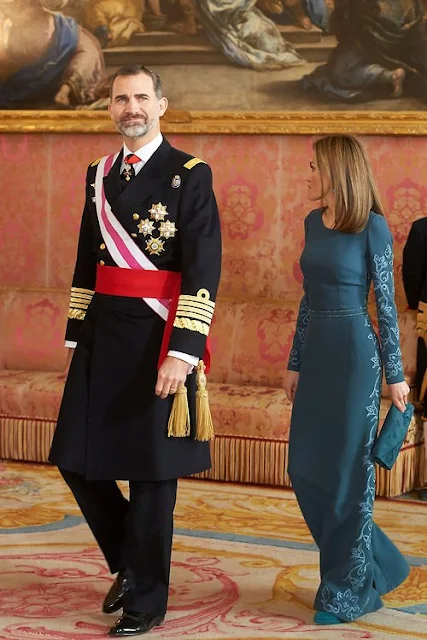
(255, 67)
(413, 123)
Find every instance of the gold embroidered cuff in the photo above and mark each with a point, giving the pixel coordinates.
(195, 312)
(76, 314)
(83, 292)
(192, 325)
(188, 312)
(202, 298)
(79, 302)
(81, 296)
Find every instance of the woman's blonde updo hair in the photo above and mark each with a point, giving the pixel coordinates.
(343, 160)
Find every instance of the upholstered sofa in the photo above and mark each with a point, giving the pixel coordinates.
(250, 340)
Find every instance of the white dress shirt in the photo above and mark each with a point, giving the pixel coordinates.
(145, 154)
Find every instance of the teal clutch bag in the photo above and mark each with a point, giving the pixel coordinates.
(389, 442)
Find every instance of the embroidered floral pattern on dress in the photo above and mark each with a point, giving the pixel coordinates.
(383, 282)
(295, 355)
(346, 603)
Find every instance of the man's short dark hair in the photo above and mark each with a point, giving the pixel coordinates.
(135, 70)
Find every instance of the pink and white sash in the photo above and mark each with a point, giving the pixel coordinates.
(125, 253)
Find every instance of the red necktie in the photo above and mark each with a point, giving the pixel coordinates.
(129, 171)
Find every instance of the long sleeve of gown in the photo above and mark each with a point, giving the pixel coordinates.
(295, 356)
(380, 256)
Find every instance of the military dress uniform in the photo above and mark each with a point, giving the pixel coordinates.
(111, 425)
(414, 272)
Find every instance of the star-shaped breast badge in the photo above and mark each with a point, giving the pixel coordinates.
(155, 246)
(158, 212)
(146, 227)
(167, 229)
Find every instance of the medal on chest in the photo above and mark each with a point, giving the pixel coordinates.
(156, 229)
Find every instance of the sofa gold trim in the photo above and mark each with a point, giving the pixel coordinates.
(243, 459)
(405, 123)
(234, 459)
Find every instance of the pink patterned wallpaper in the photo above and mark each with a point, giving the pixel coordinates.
(260, 187)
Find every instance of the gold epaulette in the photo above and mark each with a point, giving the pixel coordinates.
(195, 313)
(193, 162)
(79, 302)
(95, 162)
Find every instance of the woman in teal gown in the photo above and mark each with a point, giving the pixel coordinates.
(334, 381)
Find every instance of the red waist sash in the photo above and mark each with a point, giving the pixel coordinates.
(143, 283)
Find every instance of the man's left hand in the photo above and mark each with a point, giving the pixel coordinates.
(172, 374)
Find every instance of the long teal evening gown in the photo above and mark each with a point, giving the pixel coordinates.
(336, 409)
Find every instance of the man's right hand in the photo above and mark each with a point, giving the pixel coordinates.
(172, 373)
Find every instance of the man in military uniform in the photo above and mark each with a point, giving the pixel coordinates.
(414, 272)
(142, 301)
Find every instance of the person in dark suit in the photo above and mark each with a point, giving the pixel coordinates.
(142, 301)
(414, 272)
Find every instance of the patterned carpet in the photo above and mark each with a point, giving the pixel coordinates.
(244, 566)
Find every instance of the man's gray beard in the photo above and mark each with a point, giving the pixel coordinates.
(134, 131)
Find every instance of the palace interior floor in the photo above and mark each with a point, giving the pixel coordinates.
(244, 566)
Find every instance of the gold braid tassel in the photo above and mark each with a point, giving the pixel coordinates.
(179, 419)
(204, 428)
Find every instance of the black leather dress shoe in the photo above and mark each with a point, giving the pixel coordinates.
(114, 598)
(131, 623)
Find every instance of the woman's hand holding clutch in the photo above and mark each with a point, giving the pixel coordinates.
(399, 394)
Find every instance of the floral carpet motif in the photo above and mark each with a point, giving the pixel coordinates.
(244, 566)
